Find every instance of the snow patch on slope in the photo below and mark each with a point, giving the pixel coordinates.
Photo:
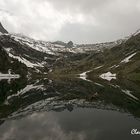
(127, 92)
(9, 76)
(26, 62)
(25, 90)
(23, 60)
(41, 46)
(114, 66)
(127, 59)
(84, 76)
(108, 76)
(98, 67)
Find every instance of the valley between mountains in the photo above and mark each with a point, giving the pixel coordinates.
(63, 76)
(34, 58)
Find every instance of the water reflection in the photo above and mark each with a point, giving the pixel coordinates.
(80, 124)
(68, 108)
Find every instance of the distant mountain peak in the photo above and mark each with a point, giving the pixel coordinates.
(70, 44)
(2, 29)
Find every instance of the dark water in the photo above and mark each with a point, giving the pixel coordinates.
(69, 109)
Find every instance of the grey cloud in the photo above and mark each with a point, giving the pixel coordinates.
(83, 21)
(82, 5)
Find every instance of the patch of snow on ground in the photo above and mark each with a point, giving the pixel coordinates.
(108, 76)
(57, 45)
(84, 76)
(98, 67)
(26, 62)
(34, 44)
(98, 84)
(9, 76)
(127, 92)
(127, 59)
(26, 89)
(114, 66)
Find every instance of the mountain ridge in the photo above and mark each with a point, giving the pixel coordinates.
(41, 57)
(2, 29)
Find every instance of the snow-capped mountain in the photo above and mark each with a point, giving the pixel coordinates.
(56, 48)
(121, 61)
(35, 53)
(41, 55)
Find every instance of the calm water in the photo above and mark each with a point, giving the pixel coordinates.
(69, 109)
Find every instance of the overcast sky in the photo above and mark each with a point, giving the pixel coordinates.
(82, 21)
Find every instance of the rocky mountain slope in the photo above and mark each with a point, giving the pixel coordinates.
(120, 57)
(123, 61)
(2, 29)
(91, 62)
(40, 55)
(7, 63)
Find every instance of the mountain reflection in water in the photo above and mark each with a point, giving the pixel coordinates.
(69, 109)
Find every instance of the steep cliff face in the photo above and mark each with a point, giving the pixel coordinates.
(2, 29)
